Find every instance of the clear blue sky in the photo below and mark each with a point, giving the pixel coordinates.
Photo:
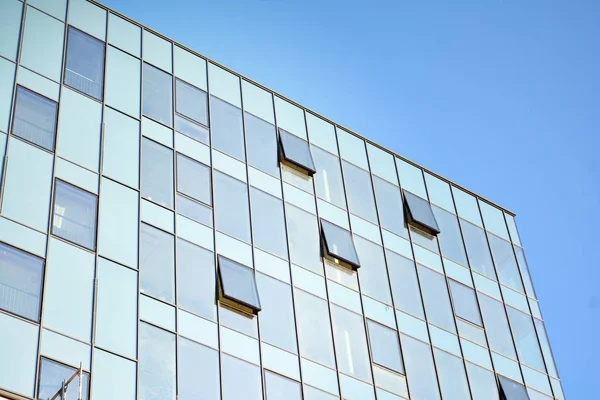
(500, 96)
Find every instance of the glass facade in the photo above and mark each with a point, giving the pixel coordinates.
(174, 231)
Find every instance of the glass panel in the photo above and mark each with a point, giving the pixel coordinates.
(389, 204)
(411, 178)
(373, 275)
(466, 206)
(19, 344)
(231, 206)
(290, 117)
(7, 79)
(422, 381)
(314, 329)
(192, 130)
(477, 249)
(512, 390)
(449, 237)
(114, 377)
(465, 302)
(158, 95)
(156, 364)
(198, 368)
(191, 102)
(52, 374)
(157, 252)
(321, 133)
(339, 243)
(224, 85)
(436, 299)
(122, 88)
(512, 228)
(483, 383)
(196, 279)
(74, 217)
(352, 148)
(258, 101)
(21, 277)
(35, 118)
(124, 35)
(296, 151)
(42, 48)
(385, 348)
(157, 173)
(506, 264)
(451, 372)
(405, 285)
(85, 63)
(193, 179)
(439, 192)
(328, 179)
(268, 223)
(280, 388)
(493, 219)
(261, 140)
(303, 239)
(526, 339)
(157, 50)
(350, 343)
(10, 20)
(496, 326)
(227, 128)
(524, 268)
(420, 212)
(88, 17)
(240, 380)
(121, 148)
(238, 283)
(277, 324)
(359, 191)
(193, 210)
(545, 343)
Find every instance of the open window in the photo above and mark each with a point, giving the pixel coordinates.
(237, 287)
(295, 153)
(419, 213)
(511, 390)
(338, 246)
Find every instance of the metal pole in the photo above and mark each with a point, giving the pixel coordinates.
(63, 390)
(80, 380)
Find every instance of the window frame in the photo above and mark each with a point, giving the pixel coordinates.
(14, 114)
(229, 300)
(410, 219)
(102, 84)
(501, 392)
(86, 373)
(338, 259)
(309, 170)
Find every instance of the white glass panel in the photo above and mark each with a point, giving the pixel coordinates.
(124, 35)
(321, 133)
(382, 164)
(190, 67)
(290, 118)
(66, 350)
(122, 86)
(18, 343)
(22, 237)
(38, 83)
(114, 377)
(258, 101)
(88, 17)
(466, 206)
(352, 149)
(7, 79)
(10, 28)
(411, 178)
(439, 192)
(493, 218)
(157, 51)
(224, 85)
(121, 159)
(55, 8)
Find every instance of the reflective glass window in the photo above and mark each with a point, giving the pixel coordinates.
(419, 213)
(227, 128)
(122, 87)
(158, 95)
(511, 390)
(261, 141)
(545, 343)
(303, 238)
(42, 48)
(10, 20)
(74, 217)
(121, 148)
(53, 374)
(385, 347)
(281, 388)
(35, 118)
(194, 210)
(359, 191)
(156, 364)
(198, 368)
(373, 275)
(506, 264)
(268, 223)
(191, 129)
(314, 328)
(191, 102)
(328, 178)
(339, 244)
(114, 377)
(423, 239)
(193, 179)
(389, 205)
(240, 380)
(465, 302)
(526, 340)
(21, 276)
(85, 63)
(449, 237)
(405, 285)
(296, 152)
(496, 326)
(524, 268)
(157, 258)
(196, 279)
(238, 284)
(420, 372)
(482, 382)
(477, 249)
(350, 343)
(124, 34)
(435, 297)
(277, 324)
(451, 373)
(157, 173)
(231, 206)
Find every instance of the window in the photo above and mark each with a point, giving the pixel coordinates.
(478, 251)
(496, 326)
(277, 317)
(261, 140)
(449, 237)
(373, 275)
(328, 178)
(191, 102)
(157, 270)
(74, 217)
(227, 128)
(420, 372)
(240, 380)
(361, 201)
(193, 179)
(198, 368)
(232, 216)
(35, 118)
(279, 387)
(405, 285)
(268, 223)
(156, 365)
(389, 205)
(157, 95)
(296, 153)
(452, 377)
(338, 244)
(314, 328)
(511, 390)
(465, 302)
(196, 280)
(350, 343)
(21, 276)
(506, 264)
(53, 374)
(436, 299)
(524, 271)
(157, 173)
(419, 213)
(303, 239)
(385, 348)
(194, 210)
(526, 340)
(237, 286)
(85, 63)
(483, 383)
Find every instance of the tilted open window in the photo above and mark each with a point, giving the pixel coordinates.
(419, 213)
(237, 287)
(511, 390)
(338, 246)
(295, 153)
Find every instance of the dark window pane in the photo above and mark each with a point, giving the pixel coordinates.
(240, 380)
(420, 213)
(198, 368)
(478, 251)
(21, 277)
(191, 102)
(405, 285)
(194, 210)
(373, 275)
(385, 347)
(231, 207)
(238, 284)
(192, 130)
(506, 264)
(526, 340)
(227, 128)
(193, 179)
(296, 152)
(74, 217)
(277, 316)
(158, 95)
(35, 118)
(156, 364)
(157, 259)
(281, 388)
(328, 178)
(449, 236)
(360, 195)
(436, 299)
(53, 374)
(261, 140)
(196, 279)
(465, 302)
(85, 63)
(511, 390)
(339, 243)
(157, 173)
(389, 204)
